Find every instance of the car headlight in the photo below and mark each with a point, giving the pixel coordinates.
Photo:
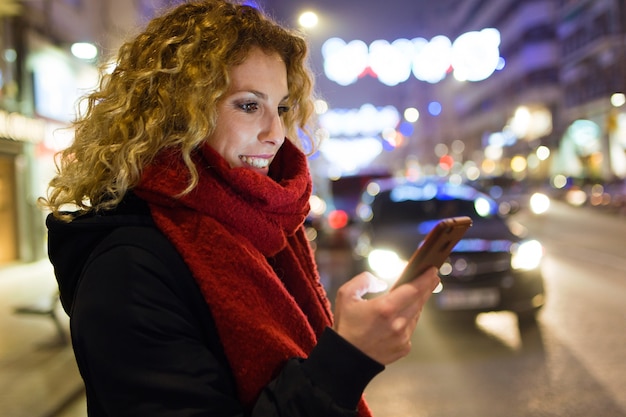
(539, 203)
(526, 255)
(386, 264)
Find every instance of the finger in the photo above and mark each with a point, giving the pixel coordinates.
(419, 288)
(429, 279)
(362, 284)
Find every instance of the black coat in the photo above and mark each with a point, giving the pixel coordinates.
(145, 341)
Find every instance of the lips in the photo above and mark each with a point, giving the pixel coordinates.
(256, 162)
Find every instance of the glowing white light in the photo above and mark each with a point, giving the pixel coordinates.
(389, 134)
(472, 173)
(411, 114)
(493, 152)
(391, 62)
(476, 55)
(432, 59)
(518, 163)
(308, 19)
(343, 63)
(541, 123)
(349, 156)
(559, 181)
(576, 197)
(84, 50)
(318, 205)
(618, 99)
(585, 134)
(539, 203)
(543, 152)
(531, 123)
(527, 255)
(386, 264)
(373, 188)
(520, 122)
(482, 207)
(364, 121)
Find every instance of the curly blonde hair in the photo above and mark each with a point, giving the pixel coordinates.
(163, 93)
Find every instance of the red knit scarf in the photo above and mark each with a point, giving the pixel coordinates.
(242, 237)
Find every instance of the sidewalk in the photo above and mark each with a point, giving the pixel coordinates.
(38, 373)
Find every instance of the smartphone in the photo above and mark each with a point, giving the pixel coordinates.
(435, 248)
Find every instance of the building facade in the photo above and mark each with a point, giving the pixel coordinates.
(561, 88)
(516, 109)
(40, 84)
(593, 79)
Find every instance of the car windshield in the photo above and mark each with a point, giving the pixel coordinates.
(416, 204)
(412, 211)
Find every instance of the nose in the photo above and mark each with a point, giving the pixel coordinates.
(274, 131)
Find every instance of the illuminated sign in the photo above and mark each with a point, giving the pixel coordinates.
(18, 127)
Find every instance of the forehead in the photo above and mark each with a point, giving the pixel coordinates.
(260, 67)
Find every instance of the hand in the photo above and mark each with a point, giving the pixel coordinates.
(382, 327)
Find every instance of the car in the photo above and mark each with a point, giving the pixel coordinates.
(495, 266)
(333, 209)
(514, 195)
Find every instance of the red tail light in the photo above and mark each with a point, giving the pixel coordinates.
(337, 219)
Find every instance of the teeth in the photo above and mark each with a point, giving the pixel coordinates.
(255, 162)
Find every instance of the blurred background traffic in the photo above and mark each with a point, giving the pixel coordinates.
(513, 96)
(512, 112)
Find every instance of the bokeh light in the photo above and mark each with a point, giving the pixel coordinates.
(308, 19)
(473, 56)
(618, 99)
(434, 108)
(411, 114)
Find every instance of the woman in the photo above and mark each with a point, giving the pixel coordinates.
(190, 285)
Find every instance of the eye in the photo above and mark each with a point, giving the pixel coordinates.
(249, 107)
(283, 109)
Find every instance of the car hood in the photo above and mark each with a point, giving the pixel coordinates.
(485, 235)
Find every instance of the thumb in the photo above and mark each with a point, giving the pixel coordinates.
(364, 283)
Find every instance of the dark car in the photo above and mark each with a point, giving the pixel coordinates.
(493, 268)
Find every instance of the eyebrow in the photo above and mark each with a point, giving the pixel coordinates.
(263, 95)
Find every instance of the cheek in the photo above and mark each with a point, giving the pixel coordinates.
(219, 141)
(228, 145)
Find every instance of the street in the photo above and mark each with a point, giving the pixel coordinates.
(571, 364)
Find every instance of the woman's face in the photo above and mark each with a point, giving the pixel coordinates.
(250, 127)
